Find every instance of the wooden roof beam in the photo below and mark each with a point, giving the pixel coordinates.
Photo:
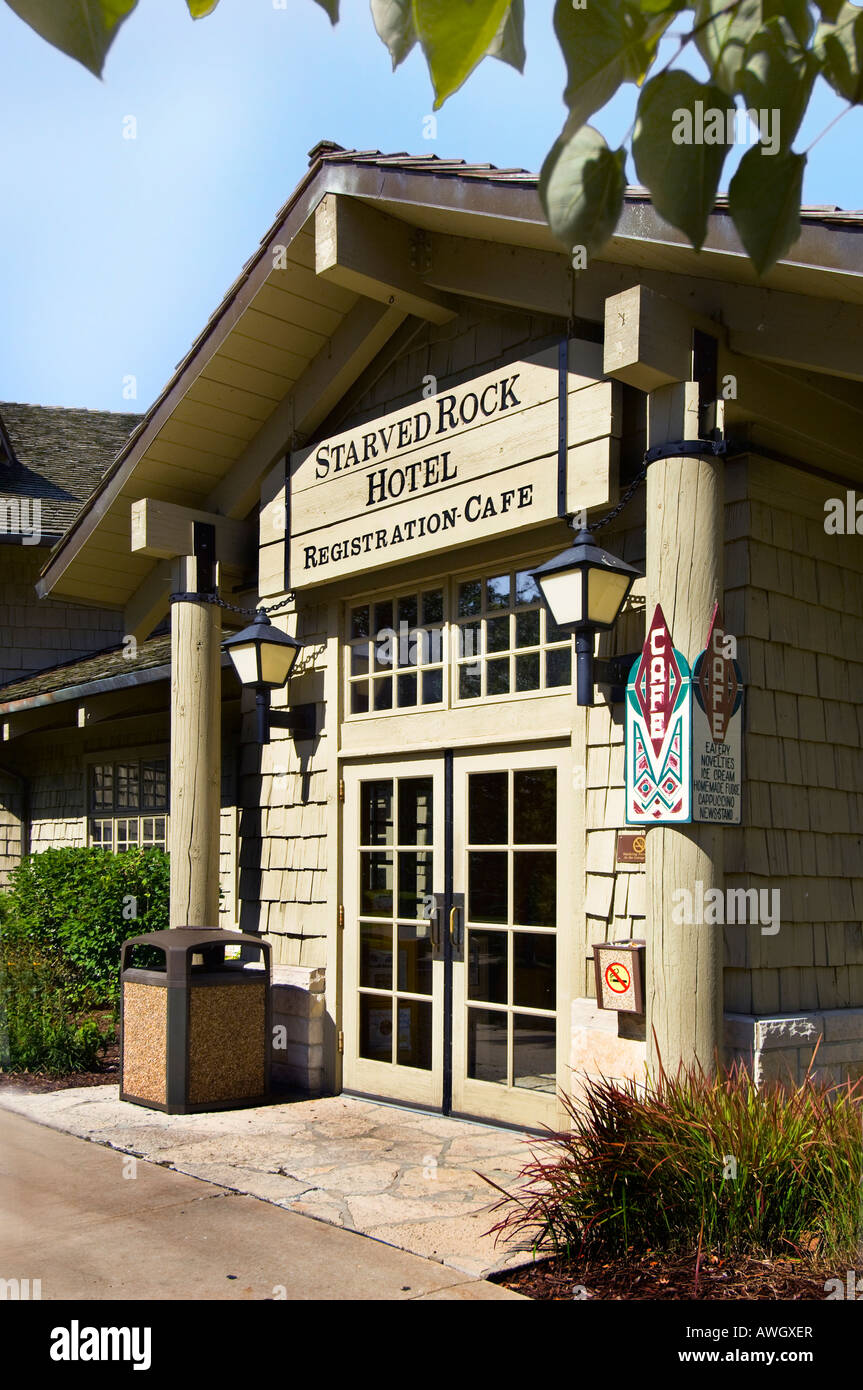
(163, 531)
(367, 251)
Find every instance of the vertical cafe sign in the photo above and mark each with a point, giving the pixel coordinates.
(717, 729)
(659, 732)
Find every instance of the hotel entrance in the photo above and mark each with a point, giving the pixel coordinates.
(455, 892)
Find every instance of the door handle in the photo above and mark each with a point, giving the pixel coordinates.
(452, 921)
(435, 928)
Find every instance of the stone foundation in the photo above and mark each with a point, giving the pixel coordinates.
(299, 1023)
(777, 1048)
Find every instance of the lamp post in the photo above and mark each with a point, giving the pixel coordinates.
(263, 658)
(584, 589)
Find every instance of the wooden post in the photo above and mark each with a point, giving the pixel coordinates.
(685, 531)
(196, 753)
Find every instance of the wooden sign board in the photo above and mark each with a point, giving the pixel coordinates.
(658, 764)
(717, 730)
(454, 468)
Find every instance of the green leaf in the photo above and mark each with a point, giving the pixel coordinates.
(796, 14)
(332, 9)
(838, 47)
(508, 42)
(582, 185)
(456, 35)
(199, 9)
(764, 201)
(674, 157)
(604, 45)
(777, 77)
(84, 29)
(721, 35)
(394, 21)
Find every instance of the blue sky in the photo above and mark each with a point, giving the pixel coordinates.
(115, 251)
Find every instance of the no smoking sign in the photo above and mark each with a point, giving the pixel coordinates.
(619, 975)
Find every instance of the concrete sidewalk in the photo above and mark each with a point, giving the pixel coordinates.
(414, 1180)
(91, 1223)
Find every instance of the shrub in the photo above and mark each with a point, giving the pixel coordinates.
(39, 1030)
(699, 1161)
(77, 906)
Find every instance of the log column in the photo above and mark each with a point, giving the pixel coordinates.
(685, 530)
(196, 753)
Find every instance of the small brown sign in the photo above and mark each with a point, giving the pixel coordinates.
(630, 848)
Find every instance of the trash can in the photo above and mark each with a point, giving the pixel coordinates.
(194, 1026)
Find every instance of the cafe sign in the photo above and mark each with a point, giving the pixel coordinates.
(717, 729)
(658, 763)
(454, 467)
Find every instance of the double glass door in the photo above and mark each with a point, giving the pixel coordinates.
(455, 895)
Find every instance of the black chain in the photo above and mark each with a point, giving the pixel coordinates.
(627, 496)
(233, 607)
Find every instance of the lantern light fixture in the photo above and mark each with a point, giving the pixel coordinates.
(263, 658)
(584, 589)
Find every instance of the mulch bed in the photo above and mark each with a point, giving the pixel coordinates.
(109, 1071)
(664, 1277)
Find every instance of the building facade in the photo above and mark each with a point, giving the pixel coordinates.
(387, 424)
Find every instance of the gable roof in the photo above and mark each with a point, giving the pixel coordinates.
(228, 413)
(58, 456)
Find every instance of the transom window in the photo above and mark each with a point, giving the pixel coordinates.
(129, 804)
(507, 642)
(503, 642)
(396, 653)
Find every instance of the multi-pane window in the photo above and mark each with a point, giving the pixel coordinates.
(129, 803)
(507, 642)
(395, 653)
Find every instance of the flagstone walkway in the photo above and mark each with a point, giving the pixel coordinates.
(413, 1180)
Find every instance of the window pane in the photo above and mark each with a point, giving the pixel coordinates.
(534, 982)
(415, 959)
(360, 698)
(155, 785)
(383, 693)
(376, 1027)
(527, 629)
(487, 808)
(535, 888)
(360, 621)
(469, 598)
(102, 833)
(526, 588)
(527, 672)
(486, 1045)
(469, 683)
(102, 784)
(376, 813)
(535, 806)
(415, 883)
(376, 956)
(497, 677)
(414, 1044)
(360, 659)
(127, 834)
(497, 635)
(487, 894)
(469, 639)
(128, 794)
(408, 610)
(433, 606)
(487, 966)
(416, 808)
(497, 592)
(383, 617)
(376, 884)
(558, 667)
(534, 1052)
(407, 690)
(432, 687)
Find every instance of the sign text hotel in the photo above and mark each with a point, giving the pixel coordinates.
(475, 461)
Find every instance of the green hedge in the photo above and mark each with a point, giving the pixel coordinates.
(77, 906)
